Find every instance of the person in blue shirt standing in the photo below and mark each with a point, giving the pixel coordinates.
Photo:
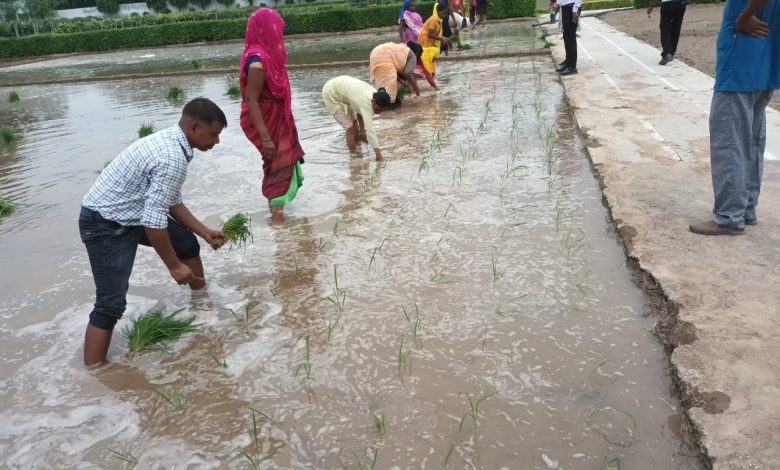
(137, 200)
(747, 71)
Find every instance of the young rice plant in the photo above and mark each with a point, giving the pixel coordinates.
(145, 129)
(6, 206)
(238, 230)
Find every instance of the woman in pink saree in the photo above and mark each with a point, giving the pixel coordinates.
(410, 22)
(266, 109)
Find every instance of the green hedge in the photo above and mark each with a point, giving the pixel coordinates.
(645, 3)
(501, 9)
(606, 4)
(298, 21)
(78, 25)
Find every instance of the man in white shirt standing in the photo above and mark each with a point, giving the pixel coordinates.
(570, 16)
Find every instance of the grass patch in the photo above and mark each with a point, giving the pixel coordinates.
(234, 92)
(148, 331)
(175, 94)
(238, 230)
(145, 129)
(6, 206)
(13, 97)
(7, 135)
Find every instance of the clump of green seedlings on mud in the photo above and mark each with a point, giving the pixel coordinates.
(6, 206)
(238, 230)
(7, 135)
(467, 47)
(145, 130)
(151, 330)
(403, 92)
(13, 97)
(195, 64)
(175, 94)
(234, 91)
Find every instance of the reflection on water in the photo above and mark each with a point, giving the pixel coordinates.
(499, 38)
(484, 225)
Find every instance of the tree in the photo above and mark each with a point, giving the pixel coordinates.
(225, 3)
(157, 5)
(180, 4)
(203, 4)
(108, 7)
(39, 8)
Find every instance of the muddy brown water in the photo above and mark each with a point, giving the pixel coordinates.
(485, 216)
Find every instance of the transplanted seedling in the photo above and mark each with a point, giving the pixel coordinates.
(467, 47)
(473, 411)
(175, 94)
(339, 297)
(125, 457)
(150, 331)
(145, 130)
(172, 397)
(366, 462)
(245, 316)
(256, 456)
(414, 320)
(306, 364)
(238, 231)
(13, 97)
(234, 92)
(7, 135)
(378, 423)
(6, 206)
(613, 464)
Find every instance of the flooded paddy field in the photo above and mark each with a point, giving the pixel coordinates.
(464, 304)
(500, 38)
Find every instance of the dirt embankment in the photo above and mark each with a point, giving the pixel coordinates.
(697, 40)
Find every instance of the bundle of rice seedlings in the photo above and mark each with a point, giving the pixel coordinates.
(238, 230)
(145, 129)
(150, 330)
(467, 47)
(13, 97)
(7, 135)
(6, 206)
(195, 64)
(175, 93)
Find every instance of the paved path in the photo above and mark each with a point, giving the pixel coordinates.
(646, 129)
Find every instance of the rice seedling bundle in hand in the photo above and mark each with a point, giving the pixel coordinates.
(13, 97)
(150, 330)
(6, 206)
(238, 230)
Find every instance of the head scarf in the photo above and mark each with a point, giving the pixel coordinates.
(265, 39)
(404, 7)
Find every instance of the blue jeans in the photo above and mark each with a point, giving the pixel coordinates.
(737, 143)
(111, 248)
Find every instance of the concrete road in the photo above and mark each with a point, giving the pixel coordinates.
(646, 129)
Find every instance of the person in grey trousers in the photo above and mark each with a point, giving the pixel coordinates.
(747, 72)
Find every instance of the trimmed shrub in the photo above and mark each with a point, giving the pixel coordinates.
(605, 4)
(108, 7)
(501, 9)
(180, 4)
(178, 31)
(157, 5)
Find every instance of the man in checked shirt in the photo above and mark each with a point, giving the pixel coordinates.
(137, 200)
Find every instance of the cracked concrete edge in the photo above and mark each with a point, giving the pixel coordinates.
(670, 329)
